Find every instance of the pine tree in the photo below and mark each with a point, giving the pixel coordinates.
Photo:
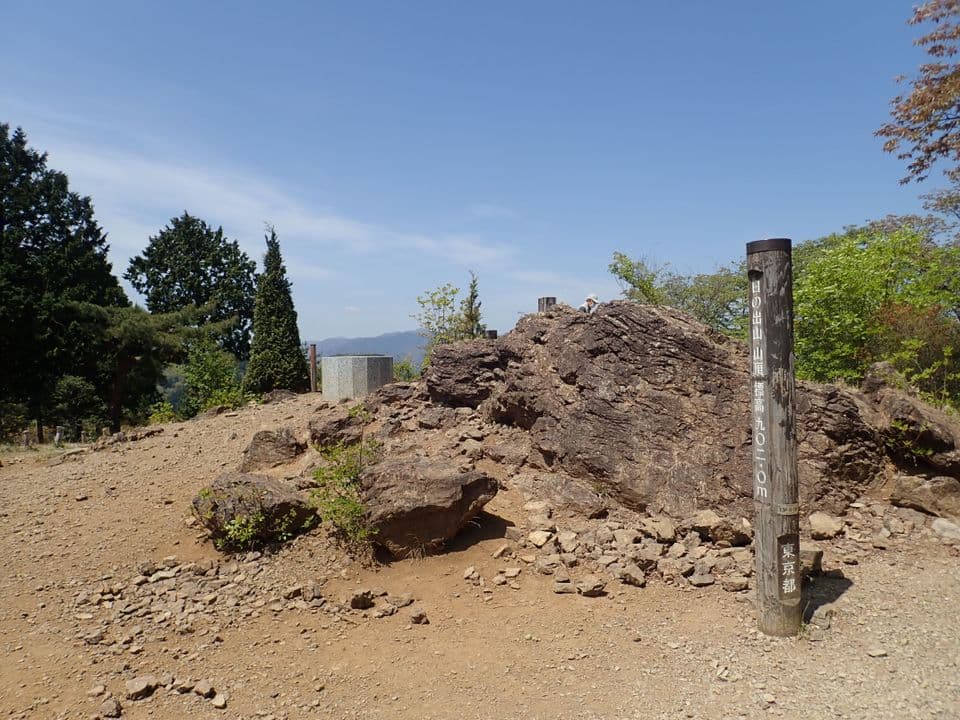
(470, 325)
(52, 253)
(276, 358)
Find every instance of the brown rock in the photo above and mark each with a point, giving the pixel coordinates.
(265, 509)
(937, 496)
(418, 504)
(270, 448)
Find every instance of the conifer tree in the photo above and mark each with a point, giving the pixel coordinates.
(276, 357)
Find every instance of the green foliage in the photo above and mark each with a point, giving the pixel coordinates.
(77, 406)
(470, 319)
(162, 412)
(638, 281)
(866, 296)
(242, 533)
(716, 299)
(276, 358)
(337, 496)
(52, 253)
(211, 376)
(13, 419)
(441, 321)
(404, 370)
(190, 264)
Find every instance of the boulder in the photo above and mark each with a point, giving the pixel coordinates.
(648, 408)
(335, 425)
(276, 396)
(936, 496)
(946, 529)
(415, 505)
(270, 448)
(918, 435)
(243, 511)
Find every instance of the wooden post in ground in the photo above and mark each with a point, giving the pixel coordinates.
(775, 492)
(545, 303)
(313, 367)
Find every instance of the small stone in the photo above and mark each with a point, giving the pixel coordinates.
(701, 580)
(946, 529)
(564, 588)
(418, 616)
(80, 497)
(539, 538)
(400, 601)
(590, 586)
(631, 574)
(735, 583)
(110, 708)
(501, 551)
(877, 652)
(219, 701)
(204, 689)
(97, 690)
(511, 572)
(824, 526)
(499, 579)
(141, 687)
(292, 592)
(469, 573)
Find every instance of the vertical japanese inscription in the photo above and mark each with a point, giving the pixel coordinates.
(761, 464)
(789, 566)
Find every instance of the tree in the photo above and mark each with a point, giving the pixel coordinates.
(439, 321)
(189, 263)
(717, 299)
(638, 281)
(52, 253)
(865, 296)
(212, 378)
(276, 358)
(926, 122)
(470, 325)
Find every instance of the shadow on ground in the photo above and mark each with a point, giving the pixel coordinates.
(823, 590)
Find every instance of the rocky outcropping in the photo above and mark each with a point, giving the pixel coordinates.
(270, 448)
(649, 407)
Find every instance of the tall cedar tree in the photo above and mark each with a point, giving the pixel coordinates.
(276, 357)
(926, 122)
(52, 253)
(471, 327)
(190, 263)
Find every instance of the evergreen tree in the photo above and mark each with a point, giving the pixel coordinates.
(190, 263)
(52, 253)
(276, 357)
(470, 325)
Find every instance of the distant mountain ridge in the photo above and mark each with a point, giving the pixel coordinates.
(398, 345)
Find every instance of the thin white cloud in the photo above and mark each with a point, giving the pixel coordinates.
(351, 309)
(136, 194)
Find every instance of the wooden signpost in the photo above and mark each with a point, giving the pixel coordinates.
(313, 367)
(775, 493)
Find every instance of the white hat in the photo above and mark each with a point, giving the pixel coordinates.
(593, 296)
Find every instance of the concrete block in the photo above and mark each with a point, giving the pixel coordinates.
(352, 376)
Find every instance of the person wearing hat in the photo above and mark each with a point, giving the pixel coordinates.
(590, 304)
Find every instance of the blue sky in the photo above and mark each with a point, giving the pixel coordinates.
(397, 145)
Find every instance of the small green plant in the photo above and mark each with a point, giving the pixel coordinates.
(904, 440)
(404, 370)
(162, 412)
(337, 496)
(242, 532)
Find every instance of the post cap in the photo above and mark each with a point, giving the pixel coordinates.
(766, 245)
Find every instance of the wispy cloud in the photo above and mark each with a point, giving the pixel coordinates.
(136, 193)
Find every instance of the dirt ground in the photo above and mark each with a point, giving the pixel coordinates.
(70, 525)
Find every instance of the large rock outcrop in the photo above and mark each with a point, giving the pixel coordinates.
(648, 406)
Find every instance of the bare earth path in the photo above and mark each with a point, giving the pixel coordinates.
(892, 650)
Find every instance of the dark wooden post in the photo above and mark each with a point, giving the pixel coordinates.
(545, 303)
(490, 334)
(775, 493)
(313, 367)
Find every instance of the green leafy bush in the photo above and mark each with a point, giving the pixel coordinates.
(162, 412)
